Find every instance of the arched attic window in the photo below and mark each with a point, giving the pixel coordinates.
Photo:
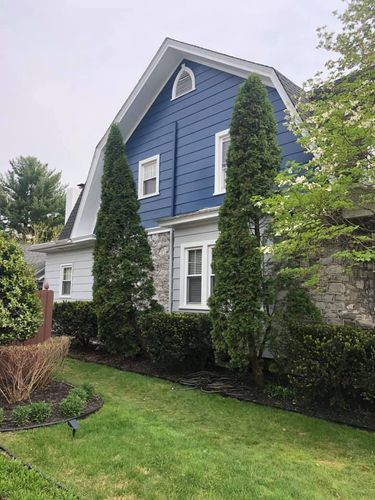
(184, 82)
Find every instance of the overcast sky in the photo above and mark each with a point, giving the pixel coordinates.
(67, 66)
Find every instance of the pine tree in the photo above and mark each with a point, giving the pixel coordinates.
(20, 311)
(32, 197)
(240, 297)
(122, 267)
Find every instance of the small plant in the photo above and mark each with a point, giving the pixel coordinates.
(21, 415)
(280, 391)
(72, 406)
(40, 412)
(89, 389)
(79, 392)
(1, 415)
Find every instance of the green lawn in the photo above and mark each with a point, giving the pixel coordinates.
(17, 482)
(152, 442)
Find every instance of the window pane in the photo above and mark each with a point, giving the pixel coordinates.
(212, 283)
(194, 289)
(195, 261)
(225, 146)
(149, 170)
(149, 186)
(67, 273)
(66, 286)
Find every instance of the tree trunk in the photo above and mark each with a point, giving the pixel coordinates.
(257, 371)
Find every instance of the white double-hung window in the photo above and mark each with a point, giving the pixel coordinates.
(66, 277)
(222, 142)
(196, 278)
(148, 177)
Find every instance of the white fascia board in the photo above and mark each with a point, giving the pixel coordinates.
(69, 243)
(156, 75)
(197, 217)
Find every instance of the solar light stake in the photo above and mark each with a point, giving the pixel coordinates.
(74, 425)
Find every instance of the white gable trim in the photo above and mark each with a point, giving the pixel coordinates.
(163, 65)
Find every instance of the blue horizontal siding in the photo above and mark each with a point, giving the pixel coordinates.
(197, 117)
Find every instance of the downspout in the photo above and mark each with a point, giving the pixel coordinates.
(173, 213)
(174, 161)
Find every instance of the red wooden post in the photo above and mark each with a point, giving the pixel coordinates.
(44, 332)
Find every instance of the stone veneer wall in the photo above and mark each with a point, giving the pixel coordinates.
(160, 250)
(346, 296)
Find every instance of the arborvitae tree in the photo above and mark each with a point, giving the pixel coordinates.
(240, 300)
(20, 311)
(122, 267)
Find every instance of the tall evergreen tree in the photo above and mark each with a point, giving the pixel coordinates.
(238, 305)
(33, 196)
(122, 267)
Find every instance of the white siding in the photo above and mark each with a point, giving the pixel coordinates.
(191, 234)
(82, 280)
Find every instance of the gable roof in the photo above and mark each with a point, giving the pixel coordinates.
(83, 217)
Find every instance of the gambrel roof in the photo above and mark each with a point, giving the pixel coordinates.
(169, 56)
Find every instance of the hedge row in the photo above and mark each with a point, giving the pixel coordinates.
(75, 319)
(332, 363)
(177, 340)
(335, 364)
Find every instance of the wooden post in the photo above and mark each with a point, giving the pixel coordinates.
(44, 332)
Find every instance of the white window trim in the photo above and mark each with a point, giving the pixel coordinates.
(219, 138)
(192, 76)
(62, 267)
(184, 247)
(141, 196)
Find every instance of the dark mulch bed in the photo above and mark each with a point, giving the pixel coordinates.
(54, 393)
(227, 383)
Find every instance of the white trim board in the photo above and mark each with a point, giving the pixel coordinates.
(184, 247)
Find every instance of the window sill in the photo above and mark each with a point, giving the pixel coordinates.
(198, 307)
(148, 196)
(217, 193)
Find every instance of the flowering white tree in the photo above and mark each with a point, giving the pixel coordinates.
(331, 199)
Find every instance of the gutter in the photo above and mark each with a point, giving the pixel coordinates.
(63, 244)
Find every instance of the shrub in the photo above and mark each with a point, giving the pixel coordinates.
(333, 363)
(177, 339)
(72, 406)
(1, 415)
(77, 320)
(89, 389)
(279, 391)
(21, 415)
(20, 311)
(79, 392)
(24, 368)
(39, 412)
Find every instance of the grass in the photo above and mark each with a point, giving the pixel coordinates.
(16, 481)
(151, 441)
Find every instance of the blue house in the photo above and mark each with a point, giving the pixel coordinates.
(175, 126)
